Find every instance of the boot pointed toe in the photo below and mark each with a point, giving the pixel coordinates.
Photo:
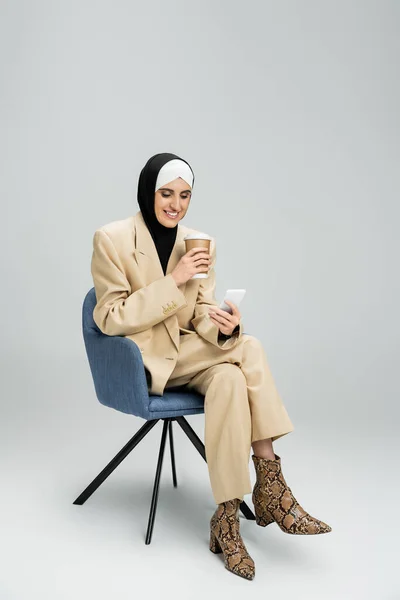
(324, 527)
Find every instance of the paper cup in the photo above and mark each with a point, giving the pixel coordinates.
(198, 240)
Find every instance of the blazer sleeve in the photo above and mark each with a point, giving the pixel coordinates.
(201, 321)
(119, 311)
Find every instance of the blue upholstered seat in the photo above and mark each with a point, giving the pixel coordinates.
(119, 375)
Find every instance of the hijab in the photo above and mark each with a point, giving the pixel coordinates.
(159, 170)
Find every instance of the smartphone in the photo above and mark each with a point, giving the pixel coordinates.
(233, 295)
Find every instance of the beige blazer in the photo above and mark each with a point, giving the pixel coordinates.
(135, 299)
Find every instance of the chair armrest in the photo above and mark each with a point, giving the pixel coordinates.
(118, 373)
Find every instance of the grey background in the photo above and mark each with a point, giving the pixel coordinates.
(288, 114)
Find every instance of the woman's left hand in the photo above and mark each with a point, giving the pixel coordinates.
(224, 320)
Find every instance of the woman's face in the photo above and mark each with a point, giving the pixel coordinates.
(173, 197)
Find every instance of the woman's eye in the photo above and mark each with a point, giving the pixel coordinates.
(166, 195)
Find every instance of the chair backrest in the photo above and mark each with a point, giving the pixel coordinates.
(108, 357)
(89, 327)
(121, 381)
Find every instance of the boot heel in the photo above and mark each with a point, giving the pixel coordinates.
(214, 544)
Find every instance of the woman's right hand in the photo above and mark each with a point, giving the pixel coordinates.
(191, 263)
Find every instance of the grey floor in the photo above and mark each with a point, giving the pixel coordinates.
(54, 550)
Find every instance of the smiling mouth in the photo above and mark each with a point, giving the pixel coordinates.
(171, 215)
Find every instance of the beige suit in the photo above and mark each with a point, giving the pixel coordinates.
(180, 345)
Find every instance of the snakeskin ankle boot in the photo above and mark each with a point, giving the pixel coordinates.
(274, 501)
(225, 537)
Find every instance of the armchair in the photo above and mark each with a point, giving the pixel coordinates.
(120, 382)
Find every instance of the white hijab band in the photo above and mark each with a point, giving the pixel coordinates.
(173, 169)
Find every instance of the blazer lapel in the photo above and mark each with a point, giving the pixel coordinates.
(150, 266)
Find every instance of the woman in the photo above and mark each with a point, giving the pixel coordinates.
(145, 291)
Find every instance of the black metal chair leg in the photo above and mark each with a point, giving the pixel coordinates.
(198, 444)
(192, 435)
(171, 447)
(154, 498)
(113, 464)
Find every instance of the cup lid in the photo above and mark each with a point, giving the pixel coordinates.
(197, 236)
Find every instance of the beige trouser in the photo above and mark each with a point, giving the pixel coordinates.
(241, 405)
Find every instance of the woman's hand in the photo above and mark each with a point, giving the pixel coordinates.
(197, 260)
(224, 320)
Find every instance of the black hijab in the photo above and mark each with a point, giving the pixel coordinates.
(163, 237)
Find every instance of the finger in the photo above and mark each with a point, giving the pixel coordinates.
(198, 250)
(202, 259)
(235, 310)
(222, 313)
(224, 321)
(220, 326)
(221, 319)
